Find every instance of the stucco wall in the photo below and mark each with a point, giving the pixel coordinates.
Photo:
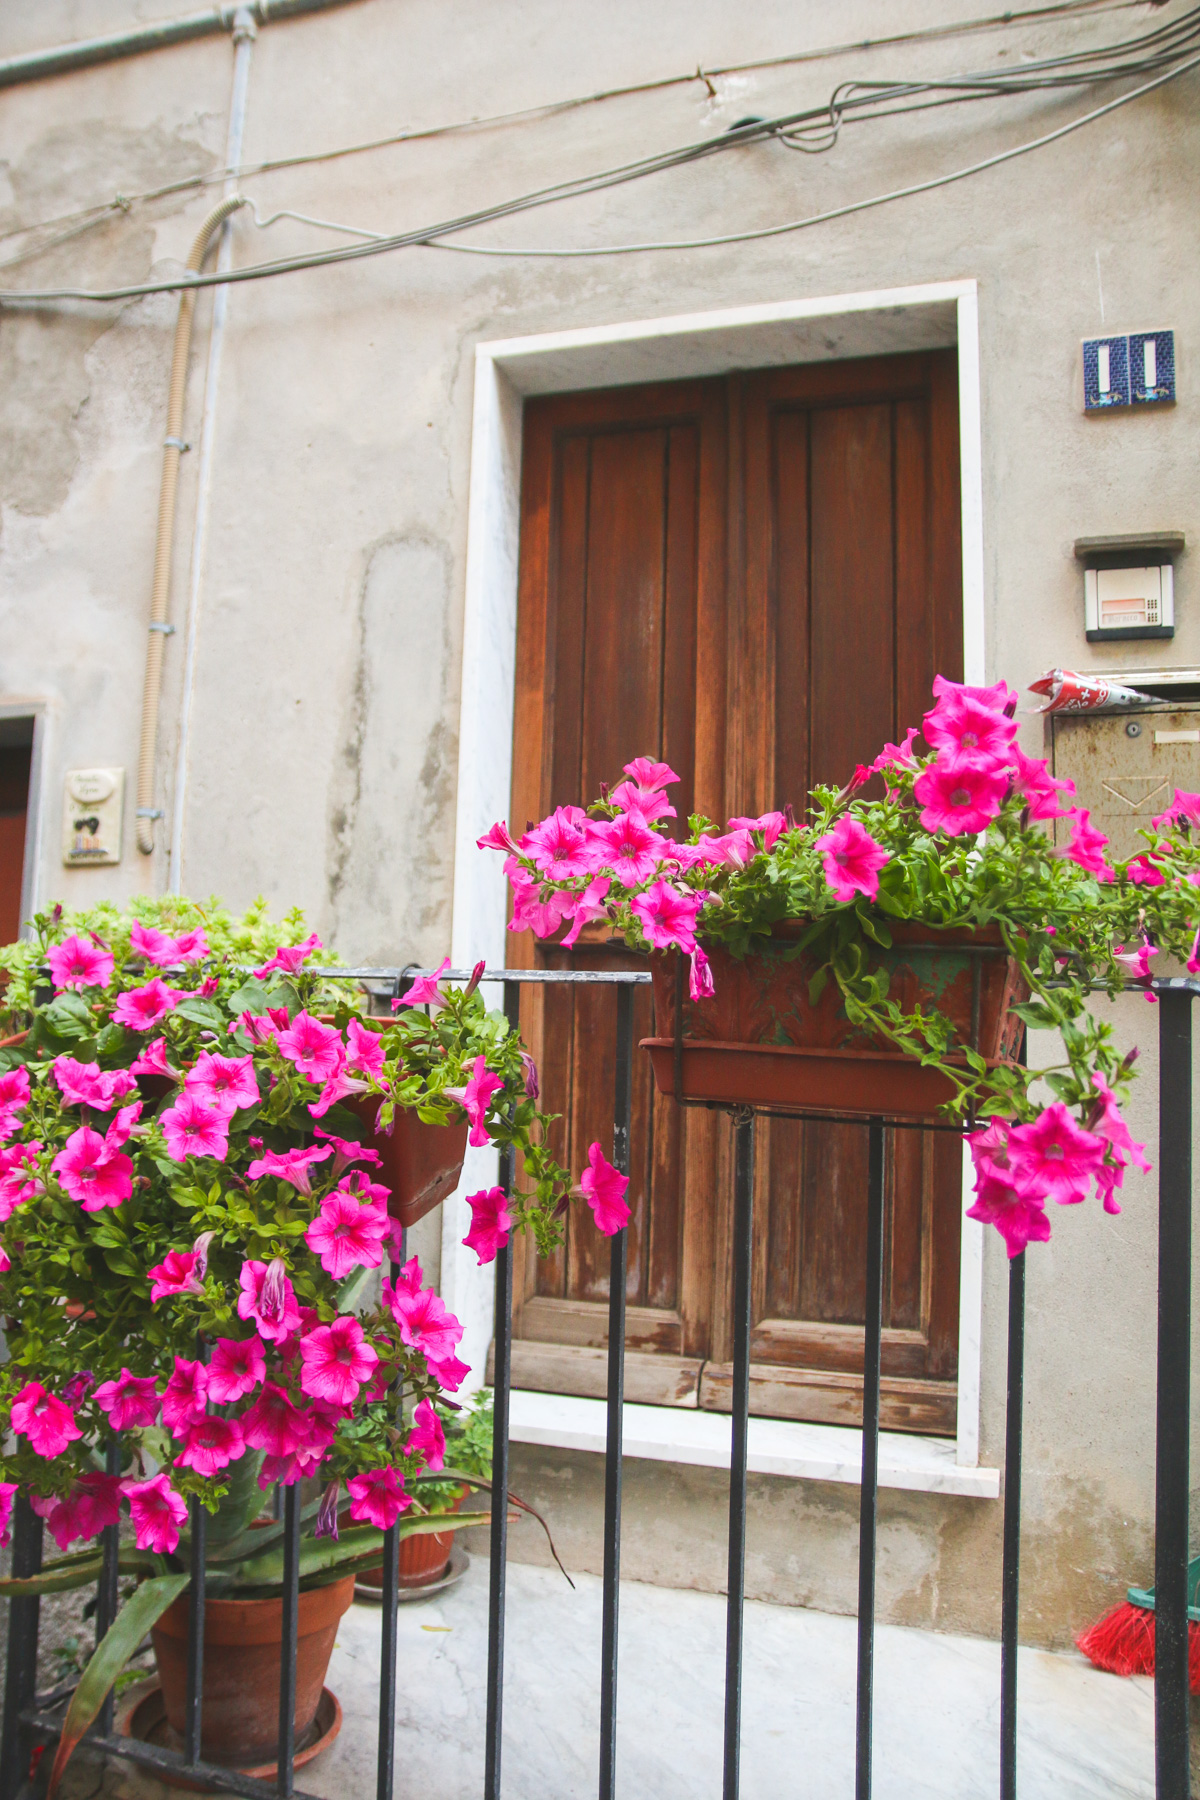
(325, 719)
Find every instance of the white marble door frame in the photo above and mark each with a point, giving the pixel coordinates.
(942, 314)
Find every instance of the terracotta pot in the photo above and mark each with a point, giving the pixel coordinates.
(762, 1040)
(420, 1163)
(424, 1558)
(243, 1659)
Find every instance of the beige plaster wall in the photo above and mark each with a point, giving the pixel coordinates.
(325, 722)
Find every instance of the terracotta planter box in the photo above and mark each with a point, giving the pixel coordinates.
(424, 1558)
(761, 1040)
(420, 1163)
(243, 1656)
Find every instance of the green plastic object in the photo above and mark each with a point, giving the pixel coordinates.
(1144, 1597)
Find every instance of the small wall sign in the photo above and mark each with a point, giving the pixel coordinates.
(1137, 370)
(93, 813)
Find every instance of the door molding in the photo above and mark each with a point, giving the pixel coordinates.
(507, 371)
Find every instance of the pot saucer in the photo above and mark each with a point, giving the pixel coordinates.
(147, 1721)
(460, 1562)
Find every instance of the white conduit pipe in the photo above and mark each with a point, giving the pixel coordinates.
(173, 447)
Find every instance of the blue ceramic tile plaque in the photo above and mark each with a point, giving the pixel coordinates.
(1151, 368)
(1105, 373)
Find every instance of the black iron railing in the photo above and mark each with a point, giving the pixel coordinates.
(27, 1722)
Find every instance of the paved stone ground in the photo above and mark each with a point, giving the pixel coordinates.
(1083, 1734)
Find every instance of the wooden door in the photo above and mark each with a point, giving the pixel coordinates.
(754, 578)
(14, 805)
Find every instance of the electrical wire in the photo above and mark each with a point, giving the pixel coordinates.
(1167, 44)
(85, 218)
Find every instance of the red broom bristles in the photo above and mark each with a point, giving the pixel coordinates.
(1123, 1643)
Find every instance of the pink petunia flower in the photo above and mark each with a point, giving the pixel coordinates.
(1018, 1218)
(175, 1274)
(14, 1097)
(604, 1190)
(427, 1438)
(652, 803)
(93, 1504)
(585, 907)
(346, 1151)
(291, 1166)
(731, 850)
(211, 1444)
(192, 946)
(336, 1359)
(1107, 1123)
(86, 1084)
(560, 845)
(962, 725)
(961, 796)
(491, 1223)
(269, 1299)
(8, 1495)
(347, 1235)
(153, 945)
(852, 859)
(667, 916)
(236, 1367)
(153, 1061)
(364, 1050)
(999, 698)
(771, 824)
(424, 990)
(315, 1049)
(1184, 806)
(1143, 871)
(410, 1281)
(145, 1007)
(701, 985)
(192, 1127)
(448, 1372)
(1136, 961)
(1055, 1158)
(627, 846)
(185, 1397)
(377, 1498)
(1087, 844)
(91, 1172)
(157, 1512)
(340, 1083)
(425, 1322)
(894, 756)
(78, 1388)
(76, 963)
(1039, 789)
(273, 1424)
(46, 1422)
(290, 958)
(650, 774)
(130, 1401)
(531, 912)
(498, 838)
(223, 1083)
(476, 1097)
(19, 1180)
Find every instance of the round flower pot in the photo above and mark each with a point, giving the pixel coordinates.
(420, 1163)
(424, 1557)
(762, 1040)
(243, 1659)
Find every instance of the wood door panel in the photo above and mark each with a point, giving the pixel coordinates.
(579, 1322)
(657, 1380)
(778, 1391)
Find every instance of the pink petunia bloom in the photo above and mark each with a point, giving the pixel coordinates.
(185, 1397)
(91, 1173)
(46, 1422)
(531, 912)
(153, 1061)
(559, 846)
(1184, 806)
(1108, 1124)
(425, 1322)
(732, 850)
(667, 916)
(476, 1097)
(652, 803)
(76, 963)
(627, 846)
(701, 985)
(130, 1401)
(236, 1367)
(290, 958)
(377, 1498)
(424, 990)
(1055, 1158)
(19, 1180)
(364, 1050)
(86, 1084)
(257, 1027)
(192, 946)
(315, 1049)
(336, 1088)
(8, 1495)
(997, 699)
(336, 1359)
(269, 1299)
(210, 1445)
(448, 1372)
(1019, 1219)
(962, 796)
(145, 1007)
(771, 824)
(292, 1165)
(650, 774)
(961, 725)
(157, 1512)
(894, 756)
(1039, 789)
(1087, 844)
(1143, 871)
(223, 1083)
(274, 1424)
(347, 1235)
(588, 905)
(427, 1438)
(491, 1223)
(194, 1128)
(175, 1274)
(852, 859)
(153, 945)
(93, 1504)
(410, 1281)
(498, 838)
(78, 1388)
(120, 1128)
(604, 1190)
(346, 1151)
(14, 1097)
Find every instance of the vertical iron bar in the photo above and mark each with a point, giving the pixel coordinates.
(618, 1263)
(1011, 1567)
(743, 1230)
(108, 1588)
(195, 1638)
(286, 1771)
(20, 1677)
(501, 1384)
(385, 1767)
(869, 1492)
(1174, 1395)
